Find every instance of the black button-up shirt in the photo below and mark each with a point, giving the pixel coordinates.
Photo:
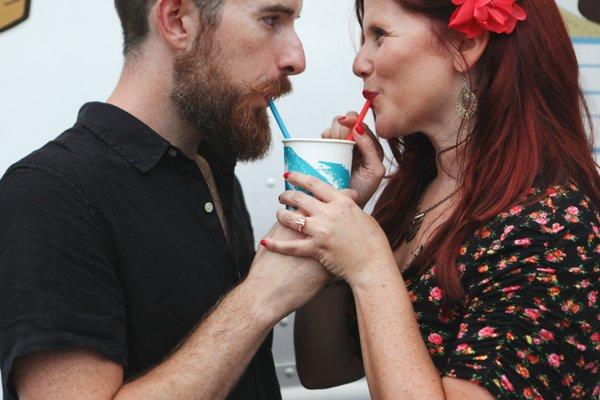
(108, 240)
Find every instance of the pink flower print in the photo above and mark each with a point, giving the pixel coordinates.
(462, 330)
(487, 332)
(511, 289)
(555, 255)
(551, 192)
(436, 293)
(596, 337)
(463, 348)
(547, 270)
(585, 283)
(546, 335)
(572, 210)
(435, 338)
(554, 360)
(556, 227)
(592, 298)
(569, 236)
(572, 218)
(506, 383)
(570, 306)
(540, 218)
(523, 242)
(554, 291)
(516, 210)
(509, 229)
(532, 313)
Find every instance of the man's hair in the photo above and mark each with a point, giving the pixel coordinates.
(134, 19)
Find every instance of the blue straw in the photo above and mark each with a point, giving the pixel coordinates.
(277, 116)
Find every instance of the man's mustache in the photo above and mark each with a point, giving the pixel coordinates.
(273, 88)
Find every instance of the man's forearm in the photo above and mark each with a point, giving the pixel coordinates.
(212, 359)
(324, 354)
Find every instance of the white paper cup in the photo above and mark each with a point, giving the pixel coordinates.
(329, 160)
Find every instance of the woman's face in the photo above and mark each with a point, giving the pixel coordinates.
(402, 61)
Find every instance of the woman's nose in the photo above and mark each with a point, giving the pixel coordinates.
(362, 66)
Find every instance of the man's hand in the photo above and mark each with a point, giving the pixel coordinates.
(289, 282)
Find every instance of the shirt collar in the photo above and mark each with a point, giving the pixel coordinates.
(215, 160)
(125, 134)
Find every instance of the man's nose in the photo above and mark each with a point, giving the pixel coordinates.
(293, 61)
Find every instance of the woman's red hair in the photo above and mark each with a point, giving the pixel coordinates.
(529, 131)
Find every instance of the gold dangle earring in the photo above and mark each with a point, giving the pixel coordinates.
(466, 102)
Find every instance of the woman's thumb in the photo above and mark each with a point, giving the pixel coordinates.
(365, 142)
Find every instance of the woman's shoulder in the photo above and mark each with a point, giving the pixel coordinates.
(556, 228)
(544, 207)
(547, 214)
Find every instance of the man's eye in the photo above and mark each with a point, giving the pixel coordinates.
(271, 20)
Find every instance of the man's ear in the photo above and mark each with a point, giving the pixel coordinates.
(176, 22)
(467, 52)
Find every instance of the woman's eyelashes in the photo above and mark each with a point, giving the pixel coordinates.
(378, 34)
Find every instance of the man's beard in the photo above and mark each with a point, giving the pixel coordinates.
(223, 113)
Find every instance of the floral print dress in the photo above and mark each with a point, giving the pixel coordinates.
(529, 327)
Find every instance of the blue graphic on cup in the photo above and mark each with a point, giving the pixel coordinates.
(334, 174)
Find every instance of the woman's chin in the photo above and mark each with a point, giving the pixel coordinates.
(388, 131)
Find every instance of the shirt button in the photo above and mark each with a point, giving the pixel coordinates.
(173, 152)
(208, 207)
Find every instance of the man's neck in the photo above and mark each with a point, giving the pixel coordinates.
(144, 93)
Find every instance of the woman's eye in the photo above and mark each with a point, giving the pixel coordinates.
(378, 34)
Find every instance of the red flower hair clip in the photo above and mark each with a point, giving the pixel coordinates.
(473, 17)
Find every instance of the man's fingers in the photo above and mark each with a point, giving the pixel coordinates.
(353, 194)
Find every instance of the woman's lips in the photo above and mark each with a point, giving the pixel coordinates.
(369, 95)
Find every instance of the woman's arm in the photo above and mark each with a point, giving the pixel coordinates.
(396, 360)
(325, 356)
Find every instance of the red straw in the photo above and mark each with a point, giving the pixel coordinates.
(360, 119)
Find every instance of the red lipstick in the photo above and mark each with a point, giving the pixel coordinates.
(369, 95)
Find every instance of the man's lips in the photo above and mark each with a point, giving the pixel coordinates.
(370, 95)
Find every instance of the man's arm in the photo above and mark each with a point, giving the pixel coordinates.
(211, 360)
(207, 364)
(325, 356)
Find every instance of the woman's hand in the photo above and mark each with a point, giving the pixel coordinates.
(348, 242)
(367, 169)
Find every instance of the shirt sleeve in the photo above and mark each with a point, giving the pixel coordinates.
(58, 285)
(530, 326)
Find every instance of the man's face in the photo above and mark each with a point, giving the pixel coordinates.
(223, 84)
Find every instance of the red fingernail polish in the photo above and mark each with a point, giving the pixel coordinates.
(342, 119)
(263, 243)
(360, 130)
(286, 175)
